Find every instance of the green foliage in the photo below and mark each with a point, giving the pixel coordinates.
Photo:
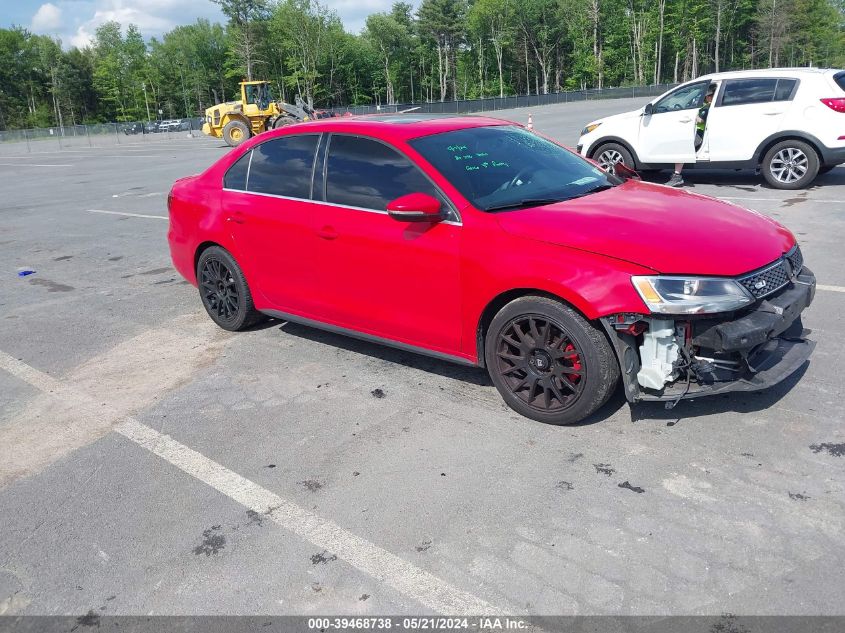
(445, 49)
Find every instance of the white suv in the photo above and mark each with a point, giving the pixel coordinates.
(789, 123)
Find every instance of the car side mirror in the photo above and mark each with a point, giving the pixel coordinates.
(624, 172)
(648, 110)
(415, 207)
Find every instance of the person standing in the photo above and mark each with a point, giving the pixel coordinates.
(677, 180)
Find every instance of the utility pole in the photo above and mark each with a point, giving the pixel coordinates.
(146, 103)
(56, 101)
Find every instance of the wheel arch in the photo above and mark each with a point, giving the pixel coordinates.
(500, 301)
(203, 247)
(234, 116)
(595, 147)
(788, 135)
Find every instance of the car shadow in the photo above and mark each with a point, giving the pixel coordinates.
(465, 373)
(642, 412)
(742, 180)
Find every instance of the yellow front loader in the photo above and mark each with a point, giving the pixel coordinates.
(256, 112)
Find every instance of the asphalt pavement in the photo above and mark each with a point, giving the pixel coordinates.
(151, 463)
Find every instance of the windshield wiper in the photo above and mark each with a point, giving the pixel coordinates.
(595, 189)
(525, 202)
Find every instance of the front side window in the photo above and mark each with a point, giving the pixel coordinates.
(361, 172)
(506, 167)
(745, 91)
(685, 98)
(282, 166)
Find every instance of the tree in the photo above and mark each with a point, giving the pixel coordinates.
(441, 22)
(246, 21)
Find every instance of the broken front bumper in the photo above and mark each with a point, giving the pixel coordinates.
(769, 342)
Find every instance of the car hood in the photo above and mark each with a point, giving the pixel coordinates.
(667, 230)
(619, 117)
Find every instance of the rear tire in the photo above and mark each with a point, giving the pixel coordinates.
(224, 292)
(790, 164)
(235, 133)
(609, 154)
(548, 362)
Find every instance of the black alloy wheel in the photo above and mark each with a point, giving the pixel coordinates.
(548, 362)
(540, 363)
(224, 291)
(220, 293)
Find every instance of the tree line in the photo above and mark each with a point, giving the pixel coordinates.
(443, 50)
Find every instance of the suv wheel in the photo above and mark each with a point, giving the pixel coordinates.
(611, 153)
(790, 164)
(224, 292)
(548, 363)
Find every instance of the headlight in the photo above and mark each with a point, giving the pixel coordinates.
(691, 295)
(589, 128)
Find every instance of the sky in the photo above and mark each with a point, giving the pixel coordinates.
(74, 21)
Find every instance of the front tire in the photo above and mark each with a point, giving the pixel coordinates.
(235, 132)
(609, 154)
(790, 164)
(548, 362)
(224, 292)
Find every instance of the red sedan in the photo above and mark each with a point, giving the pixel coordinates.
(477, 241)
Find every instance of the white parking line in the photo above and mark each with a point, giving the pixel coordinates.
(776, 200)
(830, 288)
(131, 215)
(394, 571)
(31, 165)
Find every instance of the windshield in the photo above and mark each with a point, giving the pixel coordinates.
(508, 167)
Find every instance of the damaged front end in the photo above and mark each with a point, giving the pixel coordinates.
(683, 351)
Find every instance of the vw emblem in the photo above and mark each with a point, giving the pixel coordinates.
(760, 284)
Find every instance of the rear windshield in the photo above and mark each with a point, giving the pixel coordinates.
(839, 78)
(506, 166)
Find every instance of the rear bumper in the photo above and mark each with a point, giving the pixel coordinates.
(833, 155)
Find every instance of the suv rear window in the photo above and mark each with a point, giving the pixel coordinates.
(757, 90)
(839, 78)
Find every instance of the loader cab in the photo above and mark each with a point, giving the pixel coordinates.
(257, 98)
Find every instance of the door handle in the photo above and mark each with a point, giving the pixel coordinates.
(772, 113)
(327, 233)
(684, 120)
(237, 217)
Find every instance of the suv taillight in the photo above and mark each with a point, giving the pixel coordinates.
(836, 103)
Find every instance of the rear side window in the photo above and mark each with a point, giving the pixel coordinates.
(784, 89)
(839, 78)
(364, 173)
(235, 178)
(282, 167)
(757, 90)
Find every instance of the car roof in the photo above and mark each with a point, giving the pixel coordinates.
(767, 72)
(398, 127)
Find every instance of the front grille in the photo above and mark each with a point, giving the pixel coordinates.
(796, 259)
(774, 276)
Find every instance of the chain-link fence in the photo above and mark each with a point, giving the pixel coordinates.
(98, 135)
(490, 104)
(133, 132)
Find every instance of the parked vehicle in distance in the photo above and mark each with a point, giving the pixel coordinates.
(133, 128)
(169, 125)
(788, 123)
(474, 240)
